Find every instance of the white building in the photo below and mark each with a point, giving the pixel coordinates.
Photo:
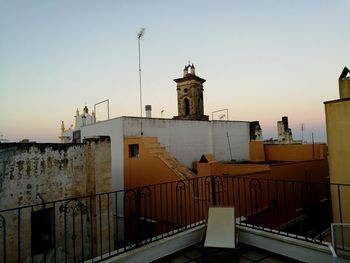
(186, 137)
(186, 140)
(67, 135)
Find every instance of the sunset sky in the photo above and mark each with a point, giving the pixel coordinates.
(262, 60)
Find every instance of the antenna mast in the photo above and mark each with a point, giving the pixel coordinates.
(139, 36)
(302, 127)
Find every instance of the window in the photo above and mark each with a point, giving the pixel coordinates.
(186, 106)
(42, 231)
(76, 136)
(133, 150)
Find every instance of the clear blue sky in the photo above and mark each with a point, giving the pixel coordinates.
(261, 59)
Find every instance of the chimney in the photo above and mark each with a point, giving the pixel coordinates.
(344, 84)
(148, 109)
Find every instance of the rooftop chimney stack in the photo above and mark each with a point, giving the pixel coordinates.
(344, 84)
(148, 109)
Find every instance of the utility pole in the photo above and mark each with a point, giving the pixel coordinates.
(139, 36)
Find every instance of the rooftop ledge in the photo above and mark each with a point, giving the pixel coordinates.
(282, 245)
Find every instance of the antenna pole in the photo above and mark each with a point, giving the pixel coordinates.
(139, 35)
(302, 133)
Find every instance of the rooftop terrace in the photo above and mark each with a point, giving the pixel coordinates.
(288, 218)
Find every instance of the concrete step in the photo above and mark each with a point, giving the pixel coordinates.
(155, 148)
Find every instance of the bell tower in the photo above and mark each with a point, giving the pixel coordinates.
(190, 96)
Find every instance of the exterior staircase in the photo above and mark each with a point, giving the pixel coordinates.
(158, 151)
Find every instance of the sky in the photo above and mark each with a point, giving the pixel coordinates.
(262, 59)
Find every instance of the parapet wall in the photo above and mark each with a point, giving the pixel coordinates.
(32, 173)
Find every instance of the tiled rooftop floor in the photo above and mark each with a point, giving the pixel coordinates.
(243, 254)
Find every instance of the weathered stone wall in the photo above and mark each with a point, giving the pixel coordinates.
(32, 173)
(40, 173)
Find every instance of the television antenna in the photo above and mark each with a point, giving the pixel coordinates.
(140, 35)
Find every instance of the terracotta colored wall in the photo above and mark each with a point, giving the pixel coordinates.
(256, 151)
(238, 169)
(203, 169)
(295, 152)
(145, 169)
(181, 203)
(218, 168)
(315, 171)
(284, 194)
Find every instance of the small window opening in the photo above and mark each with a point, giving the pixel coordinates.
(187, 106)
(133, 150)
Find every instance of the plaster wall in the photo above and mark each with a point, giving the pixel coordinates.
(256, 151)
(295, 152)
(338, 126)
(311, 171)
(52, 171)
(28, 171)
(32, 174)
(230, 140)
(186, 140)
(144, 169)
(114, 129)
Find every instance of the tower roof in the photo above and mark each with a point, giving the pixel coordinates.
(190, 77)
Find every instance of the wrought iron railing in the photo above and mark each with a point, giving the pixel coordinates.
(97, 227)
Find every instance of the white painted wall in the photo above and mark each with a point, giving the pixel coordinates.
(186, 140)
(114, 129)
(230, 134)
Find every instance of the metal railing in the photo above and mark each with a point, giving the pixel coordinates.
(98, 227)
(341, 239)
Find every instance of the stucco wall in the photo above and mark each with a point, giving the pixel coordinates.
(312, 171)
(230, 140)
(256, 151)
(28, 171)
(295, 152)
(146, 168)
(338, 127)
(186, 140)
(32, 173)
(114, 129)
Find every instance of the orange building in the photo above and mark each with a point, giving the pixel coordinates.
(279, 187)
(259, 152)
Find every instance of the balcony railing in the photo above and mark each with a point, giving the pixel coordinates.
(97, 227)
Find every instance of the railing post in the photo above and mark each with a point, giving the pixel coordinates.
(138, 217)
(212, 181)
